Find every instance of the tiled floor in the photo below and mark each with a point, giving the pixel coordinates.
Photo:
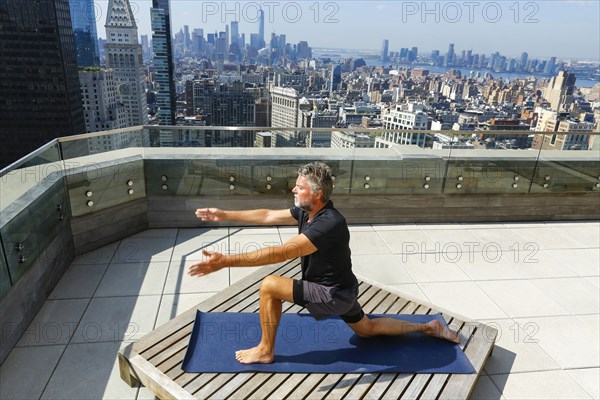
(537, 283)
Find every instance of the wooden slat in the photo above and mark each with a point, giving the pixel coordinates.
(213, 385)
(477, 350)
(311, 382)
(201, 381)
(416, 386)
(397, 387)
(269, 386)
(250, 386)
(226, 390)
(362, 386)
(320, 391)
(288, 386)
(157, 382)
(380, 386)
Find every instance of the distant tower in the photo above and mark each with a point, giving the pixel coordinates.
(550, 65)
(261, 29)
(450, 55)
(124, 57)
(163, 61)
(40, 98)
(186, 38)
(523, 61)
(384, 50)
(85, 36)
(235, 33)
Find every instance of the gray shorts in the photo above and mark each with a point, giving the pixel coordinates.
(322, 301)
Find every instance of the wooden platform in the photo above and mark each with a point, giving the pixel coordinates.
(155, 360)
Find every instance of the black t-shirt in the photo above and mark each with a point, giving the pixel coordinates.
(331, 264)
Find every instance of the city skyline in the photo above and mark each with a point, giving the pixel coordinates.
(525, 25)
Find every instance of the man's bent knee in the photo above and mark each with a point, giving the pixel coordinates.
(277, 287)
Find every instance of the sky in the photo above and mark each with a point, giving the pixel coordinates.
(567, 29)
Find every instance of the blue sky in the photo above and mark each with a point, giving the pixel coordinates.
(543, 28)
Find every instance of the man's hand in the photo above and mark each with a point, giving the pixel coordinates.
(215, 262)
(210, 214)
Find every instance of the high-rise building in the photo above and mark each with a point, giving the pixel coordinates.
(261, 29)
(146, 50)
(384, 50)
(163, 70)
(303, 50)
(559, 91)
(39, 85)
(550, 65)
(103, 109)
(412, 54)
(523, 61)
(335, 78)
(124, 57)
(285, 113)
(85, 37)
(235, 33)
(197, 41)
(404, 117)
(186, 38)
(450, 55)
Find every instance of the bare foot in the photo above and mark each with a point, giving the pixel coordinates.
(254, 355)
(437, 329)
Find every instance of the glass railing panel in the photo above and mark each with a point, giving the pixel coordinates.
(103, 184)
(399, 162)
(43, 165)
(29, 233)
(481, 167)
(480, 171)
(100, 146)
(255, 172)
(5, 280)
(573, 170)
(32, 190)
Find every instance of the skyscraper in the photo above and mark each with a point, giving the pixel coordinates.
(550, 65)
(450, 55)
(235, 33)
(124, 57)
(523, 61)
(559, 91)
(261, 29)
(186, 38)
(384, 50)
(40, 95)
(163, 61)
(85, 36)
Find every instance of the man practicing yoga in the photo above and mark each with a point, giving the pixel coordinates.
(328, 285)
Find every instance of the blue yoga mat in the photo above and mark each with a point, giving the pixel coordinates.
(305, 345)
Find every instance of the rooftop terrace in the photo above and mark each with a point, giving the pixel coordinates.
(81, 280)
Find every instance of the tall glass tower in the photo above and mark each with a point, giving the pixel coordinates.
(85, 37)
(261, 29)
(163, 61)
(384, 50)
(40, 97)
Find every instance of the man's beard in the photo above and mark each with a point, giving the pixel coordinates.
(306, 205)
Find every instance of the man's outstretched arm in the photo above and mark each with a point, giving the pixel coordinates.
(296, 247)
(257, 217)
